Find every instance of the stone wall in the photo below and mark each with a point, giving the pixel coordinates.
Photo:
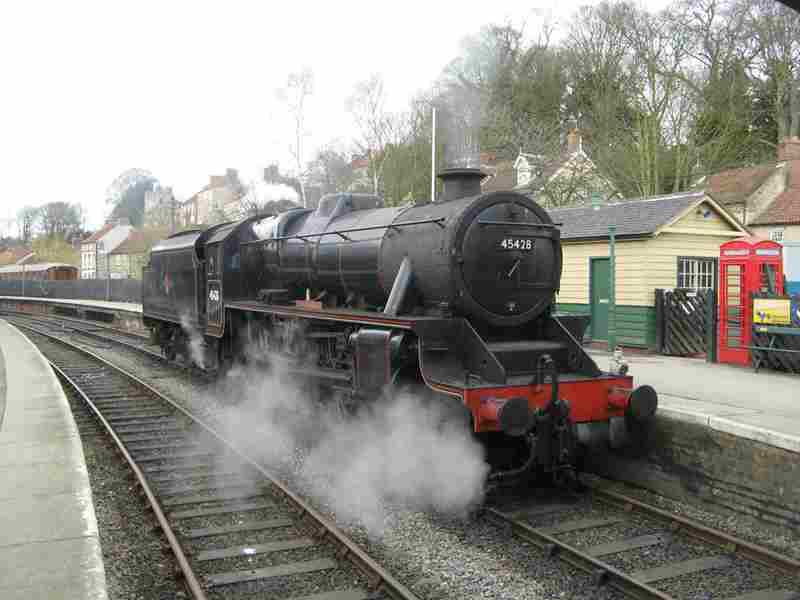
(686, 460)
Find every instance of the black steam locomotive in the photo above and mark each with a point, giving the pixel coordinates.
(455, 296)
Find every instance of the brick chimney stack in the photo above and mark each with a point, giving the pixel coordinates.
(574, 142)
(789, 149)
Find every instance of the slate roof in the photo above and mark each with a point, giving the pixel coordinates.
(633, 218)
(735, 186)
(785, 208)
(140, 241)
(95, 237)
(15, 255)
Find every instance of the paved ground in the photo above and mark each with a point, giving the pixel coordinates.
(763, 406)
(49, 545)
(121, 306)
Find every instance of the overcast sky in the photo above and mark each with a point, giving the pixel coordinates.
(186, 89)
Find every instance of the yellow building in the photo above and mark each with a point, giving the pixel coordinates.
(133, 253)
(661, 242)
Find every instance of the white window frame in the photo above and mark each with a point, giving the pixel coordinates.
(776, 235)
(696, 273)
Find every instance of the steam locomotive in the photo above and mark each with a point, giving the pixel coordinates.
(454, 296)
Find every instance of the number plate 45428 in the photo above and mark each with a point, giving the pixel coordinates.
(523, 244)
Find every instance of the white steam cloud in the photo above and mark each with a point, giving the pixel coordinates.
(195, 342)
(401, 452)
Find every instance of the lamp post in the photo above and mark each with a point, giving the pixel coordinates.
(612, 300)
(433, 156)
(101, 246)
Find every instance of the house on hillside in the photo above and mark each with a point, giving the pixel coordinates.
(661, 242)
(95, 249)
(766, 198)
(89, 252)
(218, 201)
(566, 180)
(128, 258)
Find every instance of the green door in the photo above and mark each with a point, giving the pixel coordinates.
(599, 287)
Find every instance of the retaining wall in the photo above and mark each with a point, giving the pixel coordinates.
(685, 460)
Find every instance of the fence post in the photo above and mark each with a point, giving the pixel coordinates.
(711, 333)
(660, 321)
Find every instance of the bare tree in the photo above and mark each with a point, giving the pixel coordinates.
(777, 31)
(26, 220)
(299, 86)
(331, 168)
(60, 219)
(379, 129)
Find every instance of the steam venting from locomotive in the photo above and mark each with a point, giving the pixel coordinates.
(195, 341)
(398, 454)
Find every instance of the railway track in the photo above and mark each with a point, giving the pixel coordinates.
(234, 529)
(598, 532)
(646, 553)
(96, 331)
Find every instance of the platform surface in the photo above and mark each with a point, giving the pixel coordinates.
(49, 544)
(763, 406)
(131, 307)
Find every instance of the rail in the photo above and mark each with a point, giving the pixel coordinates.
(637, 585)
(378, 578)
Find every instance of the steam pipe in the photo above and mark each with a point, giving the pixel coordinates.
(498, 475)
(400, 287)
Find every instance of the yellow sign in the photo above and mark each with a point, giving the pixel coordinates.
(772, 311)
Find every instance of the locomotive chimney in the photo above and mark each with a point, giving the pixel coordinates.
(460, 183)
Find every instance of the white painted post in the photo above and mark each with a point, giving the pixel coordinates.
(433, 157)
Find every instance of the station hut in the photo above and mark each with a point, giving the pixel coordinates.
(666, 242)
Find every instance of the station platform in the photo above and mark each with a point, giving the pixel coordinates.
(123, 307)
(49, 543)
(763, 407)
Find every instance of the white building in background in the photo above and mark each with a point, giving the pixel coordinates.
(95, 249)
(89, 252)
(216, 202)
(160, 208)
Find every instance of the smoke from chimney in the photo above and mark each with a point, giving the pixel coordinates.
(460, 118)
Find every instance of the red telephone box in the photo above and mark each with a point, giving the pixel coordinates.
(747, 265)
